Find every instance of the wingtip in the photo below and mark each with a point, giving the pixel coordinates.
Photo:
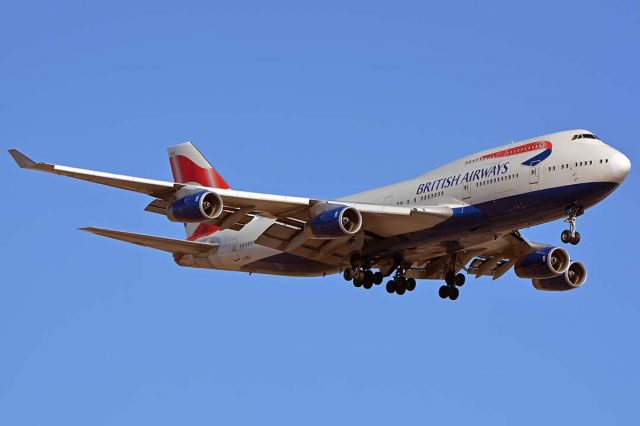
(22, 160)
(87, 229)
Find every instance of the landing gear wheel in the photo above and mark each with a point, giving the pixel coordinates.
(377, 278)
(358, 280)
(565, 237)
(348, 274)
(575, 239)
(410, 284)
(391, 286)
(400, 291)
(367, 284)
(443, 292)
(453, 293)
(450, 278)
(460, 278)
(368, 279)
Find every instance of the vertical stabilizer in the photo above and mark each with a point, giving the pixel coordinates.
(188, 165)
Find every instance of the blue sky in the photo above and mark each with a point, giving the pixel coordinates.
(317, 99)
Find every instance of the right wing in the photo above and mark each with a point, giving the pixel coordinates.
(290, 213)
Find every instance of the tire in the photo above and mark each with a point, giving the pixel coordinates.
(576, 238)
(391, 286)
(377, 278)
(367, 284)
(454, 293)
(348, 274)
(358, 280)
(410, 284)
(450, 278)
(443, 292)
(460, 279)
(400, 291)
(565, 237)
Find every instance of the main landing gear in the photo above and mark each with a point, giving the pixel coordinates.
(400, 283)
(571, 236)
(452, 282)
(361, 274)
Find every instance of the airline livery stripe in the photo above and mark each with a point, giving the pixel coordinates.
(184, 170)
(531, 146)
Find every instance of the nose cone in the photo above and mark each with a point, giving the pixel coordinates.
(620, 166)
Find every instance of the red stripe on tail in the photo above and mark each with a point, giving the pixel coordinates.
(184, 170)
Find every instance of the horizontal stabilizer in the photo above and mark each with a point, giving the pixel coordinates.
(170, 245)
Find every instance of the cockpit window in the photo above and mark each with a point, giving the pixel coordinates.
(584, 136)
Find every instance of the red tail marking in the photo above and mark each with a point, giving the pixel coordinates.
(203, 230)
(184, 170)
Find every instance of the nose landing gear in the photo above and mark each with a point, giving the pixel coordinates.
(571, 236)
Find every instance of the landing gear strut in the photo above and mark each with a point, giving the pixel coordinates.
(571, 236)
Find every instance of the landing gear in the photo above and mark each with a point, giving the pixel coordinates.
(571, 236)
(448, 291)
(361, 274)
(400, 284)
(452, 282)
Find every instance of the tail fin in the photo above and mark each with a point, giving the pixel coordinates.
(188, 165)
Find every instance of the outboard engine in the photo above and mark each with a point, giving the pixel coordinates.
(545, 263)
(197, 207)
(330, 221)
(573, 278)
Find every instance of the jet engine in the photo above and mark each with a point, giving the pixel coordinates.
(572, 278)
(333, 221)
(545, 263)
(197, 207)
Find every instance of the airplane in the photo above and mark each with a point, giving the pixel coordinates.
(462, 216)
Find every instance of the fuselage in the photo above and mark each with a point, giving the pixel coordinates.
(491, 193)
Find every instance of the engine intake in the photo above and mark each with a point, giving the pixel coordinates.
(572, 278)
(197, 207)
(334, 221)
(545, 263)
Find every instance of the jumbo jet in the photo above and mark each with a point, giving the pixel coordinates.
(463, 216)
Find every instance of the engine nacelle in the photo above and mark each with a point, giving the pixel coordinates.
(545, 263)
(197, 207)
(333, 221)
(573, 277)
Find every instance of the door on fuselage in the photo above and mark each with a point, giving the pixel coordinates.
(466, 193)
(534, 175)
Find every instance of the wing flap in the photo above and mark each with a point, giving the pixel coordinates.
(170, 245)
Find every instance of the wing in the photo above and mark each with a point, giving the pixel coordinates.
(291, 213)
(170, 245)
(493, 258)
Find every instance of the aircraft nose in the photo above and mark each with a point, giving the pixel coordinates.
(620, 166)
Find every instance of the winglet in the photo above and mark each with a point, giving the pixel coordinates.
(22, 160)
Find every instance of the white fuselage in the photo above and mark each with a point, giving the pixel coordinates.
(549, 167)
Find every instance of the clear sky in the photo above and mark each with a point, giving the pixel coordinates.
(318, 99)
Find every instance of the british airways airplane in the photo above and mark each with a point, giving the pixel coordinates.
(463, 216)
